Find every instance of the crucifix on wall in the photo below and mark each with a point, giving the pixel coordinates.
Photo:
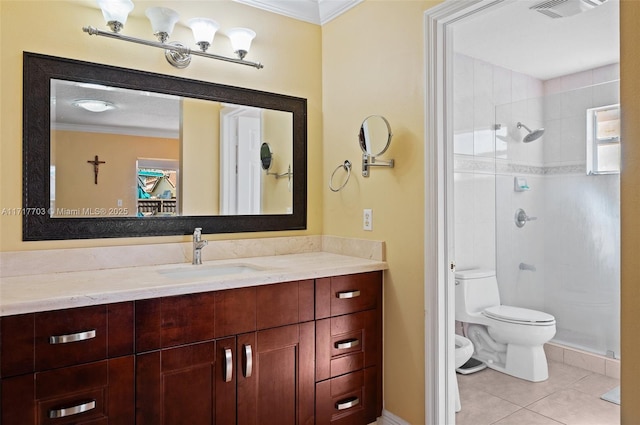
(96, 168)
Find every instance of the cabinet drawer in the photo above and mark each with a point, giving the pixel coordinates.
(93, 393)
(52, 339)
(348, 294)
(348, 399)
(347, 343)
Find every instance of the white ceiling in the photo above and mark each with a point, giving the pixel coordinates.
(526, 41)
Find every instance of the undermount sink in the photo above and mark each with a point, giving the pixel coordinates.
(206, 271)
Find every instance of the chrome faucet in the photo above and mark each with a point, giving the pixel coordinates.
(198, 244)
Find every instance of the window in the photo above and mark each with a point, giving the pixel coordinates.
(603, 140)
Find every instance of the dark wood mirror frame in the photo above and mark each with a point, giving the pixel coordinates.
(38, 225)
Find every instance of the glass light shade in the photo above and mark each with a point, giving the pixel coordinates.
(162, 19)
(115, 10)
(94, 105)
(241, 39)
(203, 29)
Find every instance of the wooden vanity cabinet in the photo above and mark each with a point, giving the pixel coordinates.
(225, 357)
(349, 349)
(304, 352)
(68, 366)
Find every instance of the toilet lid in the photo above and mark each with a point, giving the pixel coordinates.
(524, 316)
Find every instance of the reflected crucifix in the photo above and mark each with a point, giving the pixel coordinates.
(96, 168)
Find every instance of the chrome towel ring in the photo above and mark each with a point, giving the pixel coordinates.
(347, 167)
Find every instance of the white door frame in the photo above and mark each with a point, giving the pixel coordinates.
(438, 286)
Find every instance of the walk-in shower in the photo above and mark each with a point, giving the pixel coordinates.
(567, 262)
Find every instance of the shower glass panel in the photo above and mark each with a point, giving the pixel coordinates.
(574, 245)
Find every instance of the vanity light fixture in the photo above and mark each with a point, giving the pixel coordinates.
(163, 20)
(94, 105)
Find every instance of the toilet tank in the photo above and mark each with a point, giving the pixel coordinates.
(476, 289)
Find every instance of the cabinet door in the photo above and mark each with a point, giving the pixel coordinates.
(187, 385)
(276, 376)
(92, 393)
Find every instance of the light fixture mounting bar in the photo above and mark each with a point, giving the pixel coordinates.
(180, 49)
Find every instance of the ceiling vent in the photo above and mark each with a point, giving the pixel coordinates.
(563, 8)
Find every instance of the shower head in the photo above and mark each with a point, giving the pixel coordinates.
(533, 135)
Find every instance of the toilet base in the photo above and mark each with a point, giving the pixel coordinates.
(527, 362)
(524, 362)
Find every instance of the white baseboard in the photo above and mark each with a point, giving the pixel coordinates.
(389, 418)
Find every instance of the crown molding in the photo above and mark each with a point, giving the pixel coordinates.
(317, 12)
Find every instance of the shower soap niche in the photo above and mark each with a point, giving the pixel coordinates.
(520, 184)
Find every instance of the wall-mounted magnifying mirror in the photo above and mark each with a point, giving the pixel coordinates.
(266, 156)
(375, 138)
(266, 160)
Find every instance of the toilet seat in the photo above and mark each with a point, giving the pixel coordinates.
(522, 316)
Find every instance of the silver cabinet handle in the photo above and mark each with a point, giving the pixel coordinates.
(247, 360)
(348, 294)
(74, 410)
(348, 403)
(228, 365)
(347, 343)
(65, 339)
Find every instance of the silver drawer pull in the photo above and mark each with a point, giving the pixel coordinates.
(248, 361)
(65, 339)
(69, 411)
(228, 365)
(348, 294)
(347, 343)
(348, 403)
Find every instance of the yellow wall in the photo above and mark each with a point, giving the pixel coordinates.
(289, 49)
(372, 59)
(630, 205)
(200, 159)
(75, 185)
(277, 128)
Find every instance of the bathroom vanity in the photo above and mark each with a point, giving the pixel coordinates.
(200, 350)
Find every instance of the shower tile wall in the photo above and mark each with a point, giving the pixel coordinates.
(574, 243)
(479, 155)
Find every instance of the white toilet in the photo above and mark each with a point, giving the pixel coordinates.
(508, 339)
(464, 351)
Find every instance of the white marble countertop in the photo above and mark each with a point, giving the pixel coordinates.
(54, 291)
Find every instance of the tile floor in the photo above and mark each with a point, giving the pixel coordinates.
(571, 395)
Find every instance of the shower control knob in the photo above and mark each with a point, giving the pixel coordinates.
(521, 217)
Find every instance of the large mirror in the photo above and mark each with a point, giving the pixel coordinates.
(114, 152)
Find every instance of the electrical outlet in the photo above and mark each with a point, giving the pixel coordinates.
(367, 219)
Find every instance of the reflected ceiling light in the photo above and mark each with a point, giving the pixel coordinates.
(94, 105)
(163, 20)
